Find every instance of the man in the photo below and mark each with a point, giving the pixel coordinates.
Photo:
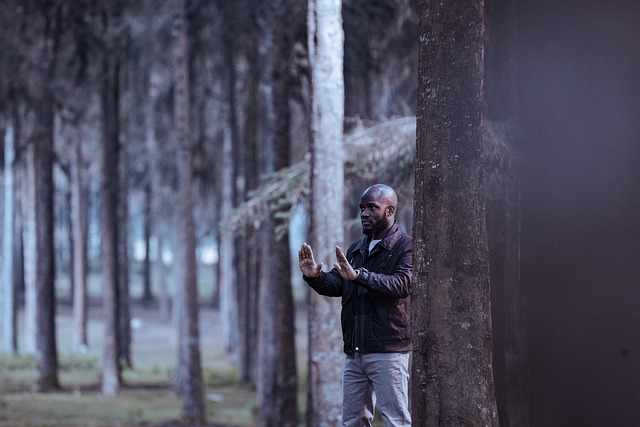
(374, 281)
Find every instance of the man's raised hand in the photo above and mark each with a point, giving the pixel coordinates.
(344, 268)
(307, 263)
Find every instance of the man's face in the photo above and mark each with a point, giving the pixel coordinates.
(374, 216)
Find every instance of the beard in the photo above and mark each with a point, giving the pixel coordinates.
(369, 228)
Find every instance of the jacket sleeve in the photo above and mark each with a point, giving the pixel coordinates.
(328, 284)
(398, 283)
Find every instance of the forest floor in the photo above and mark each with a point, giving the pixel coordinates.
(146, 397)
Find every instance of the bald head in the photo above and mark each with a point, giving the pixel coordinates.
(378, 210)
(382, 193)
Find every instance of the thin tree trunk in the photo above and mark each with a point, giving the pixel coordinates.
(124, 297)
(19, 220)
(243, 353)
(110, 173)
(149, 195)
(79, 213)
(228, 290)
(452, 377)
(147, 295)
(249, 289)
(30, 256)
(9, 340)
(193, 409)
(156, 220)
(326, 40)
(45, 268)
(68, 214)
(162, 273)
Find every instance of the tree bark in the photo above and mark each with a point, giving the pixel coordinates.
(452, 378)
(45, 267)
(110, 174)
(326, 40)
(193, 409)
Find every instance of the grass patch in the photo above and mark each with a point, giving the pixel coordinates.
(217, 378)
(146, 397)
(132, 407)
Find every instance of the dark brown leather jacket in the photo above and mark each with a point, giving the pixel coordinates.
(376, 307)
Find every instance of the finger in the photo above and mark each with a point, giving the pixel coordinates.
(305, 250)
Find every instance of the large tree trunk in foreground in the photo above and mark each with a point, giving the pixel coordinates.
(326, 40)
(452, 377)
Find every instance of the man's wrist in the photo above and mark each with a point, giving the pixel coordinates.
(310, 278)
(358, 273)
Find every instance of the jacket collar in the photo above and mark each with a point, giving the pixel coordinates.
(387, 242)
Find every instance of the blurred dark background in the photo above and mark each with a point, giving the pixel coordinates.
(579, 87)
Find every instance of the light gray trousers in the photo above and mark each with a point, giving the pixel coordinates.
(377, 376)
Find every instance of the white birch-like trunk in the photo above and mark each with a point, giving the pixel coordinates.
(228, 297)
(30, 253)
(79, 219)
(8, 297)
(326, 44)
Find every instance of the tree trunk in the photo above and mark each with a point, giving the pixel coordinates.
(248, 290)
(149, 195)
(110, 173)
(79, 221)
(124, 297)
(452, 378)
(190, 368)
(30, 256)
(157, 219)
(147, 294)
(326, 40)
(45, 268)
(18, 226)
(277, 385)
(9, 340)
(69, 223)
(228, 290)
(232, 292)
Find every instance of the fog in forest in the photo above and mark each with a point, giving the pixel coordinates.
(575, 74)
(579, 86)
